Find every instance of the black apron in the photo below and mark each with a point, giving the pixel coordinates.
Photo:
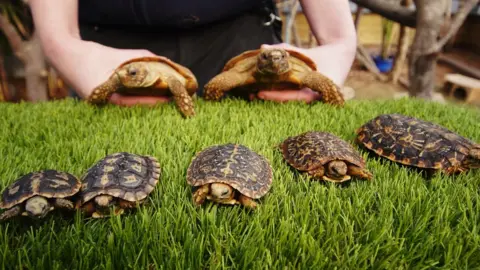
(200, 38)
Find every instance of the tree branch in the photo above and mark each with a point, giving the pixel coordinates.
(394, 12)
(14, 39)
(457, 22)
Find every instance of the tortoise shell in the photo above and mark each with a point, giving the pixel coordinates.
(166, 66)
(47, 183)
(414, 142)
(232, 164)
(310, 149)
(248, 59)
(122, 175)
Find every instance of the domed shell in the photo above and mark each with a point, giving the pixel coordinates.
(313, 148)
(414, 142)
(47, 183)
(232, 164)
(128, 176)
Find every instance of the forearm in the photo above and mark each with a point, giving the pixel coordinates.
(56, 24)
(332, 25)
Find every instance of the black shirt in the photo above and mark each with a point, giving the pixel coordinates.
(171, 14)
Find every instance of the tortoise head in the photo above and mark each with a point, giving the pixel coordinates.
(273, 61)
(473, 158)
(37, 207)
(221, 192)
(336, 171)
(103, 203)
(135, 75)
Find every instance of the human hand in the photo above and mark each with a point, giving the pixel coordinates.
(89, 64)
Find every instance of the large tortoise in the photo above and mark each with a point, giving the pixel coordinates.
(229, 174)
(116, 182)
(324, 156)
(414, 142)
(157, 76)
(272, 68)
(38, 193)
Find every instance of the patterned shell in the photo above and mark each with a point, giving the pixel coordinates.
(46, 183)
(414, 142)
(123, 175)
(313, 148)
(232, 164)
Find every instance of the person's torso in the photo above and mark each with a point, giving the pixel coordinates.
(176, 13)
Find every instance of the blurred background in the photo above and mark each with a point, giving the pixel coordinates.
(388, 47)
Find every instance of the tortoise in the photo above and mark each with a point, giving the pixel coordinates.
(150, 76)
(324, 156)
(229, 174)
(116, 182)
(38, 193)
(418, 143)
(272, 68)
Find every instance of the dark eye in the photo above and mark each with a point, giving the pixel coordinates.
(264, 56)
(225, 193)
(132, 72)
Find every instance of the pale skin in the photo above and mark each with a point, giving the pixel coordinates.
(221, 193)
(77, 60)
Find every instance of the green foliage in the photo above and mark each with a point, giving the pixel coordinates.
(398, 221)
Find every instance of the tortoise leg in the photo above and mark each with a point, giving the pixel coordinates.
(200, 194)
(88, 208)
(359, 172)
(317, 173)
(247, 201)
(182, 99)
(63, 203)
(14, 211)
(224, 82)
(102, 93)
(328, 90)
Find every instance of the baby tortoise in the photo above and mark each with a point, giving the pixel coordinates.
(229, 174)
(37, 193)
(157, 76)
(274, 68)
(324, 156)
(119, 181)
(418, 143)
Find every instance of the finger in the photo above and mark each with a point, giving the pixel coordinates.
(288, 95)
(118, 99)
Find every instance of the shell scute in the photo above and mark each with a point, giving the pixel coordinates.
(232, 164)
(123, 175)
(48, 183)
(414, 142)
(312, 149)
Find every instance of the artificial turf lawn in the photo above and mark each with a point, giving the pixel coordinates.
(400, 220)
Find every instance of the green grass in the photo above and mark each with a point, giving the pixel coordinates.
(400, 220)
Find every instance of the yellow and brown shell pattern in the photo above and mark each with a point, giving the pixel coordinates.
(312, 149)
(123, 175)
(414, 142)
(47, 183)
(232, 164)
